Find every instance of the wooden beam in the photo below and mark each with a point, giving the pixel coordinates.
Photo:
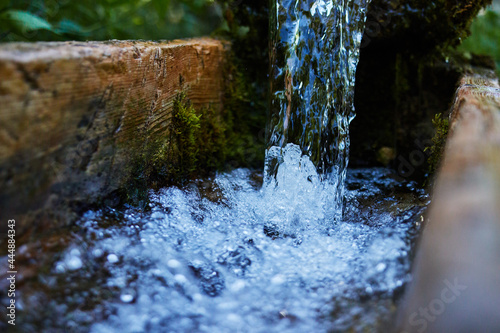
(456, 285)
(73, 116)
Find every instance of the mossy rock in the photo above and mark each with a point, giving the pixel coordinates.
(406, 75)
(418, 26)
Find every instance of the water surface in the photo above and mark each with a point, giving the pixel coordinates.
(209, 258)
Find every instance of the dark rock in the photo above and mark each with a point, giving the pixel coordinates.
(419, 26)
(211, 281)
(405, 77)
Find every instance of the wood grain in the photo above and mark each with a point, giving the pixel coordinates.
(74, 115)
(456, 285)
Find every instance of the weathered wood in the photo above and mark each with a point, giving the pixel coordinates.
(73, 116)
(456, 285)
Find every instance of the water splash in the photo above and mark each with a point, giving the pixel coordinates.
(297, 198)
(204, 259)
(240, 259)
(314, 54)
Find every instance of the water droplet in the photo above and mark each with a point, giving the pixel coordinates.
(172, 263)
(97, 253)
(60, 268)
(74, 263)
(180, 278)
(112, 258)
(127, 296)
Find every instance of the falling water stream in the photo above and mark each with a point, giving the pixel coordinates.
(291, 250)
(314, 54)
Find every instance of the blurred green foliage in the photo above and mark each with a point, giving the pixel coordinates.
(55, 20)
(485, 36)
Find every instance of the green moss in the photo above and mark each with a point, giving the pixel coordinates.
(245, 118)
(201, 140)
(247, 84)
(165, 160)
(197, 142)
(183, 144)
(212, 140)
(441, 125)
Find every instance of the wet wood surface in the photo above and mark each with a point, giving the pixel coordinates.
(456, 285)
(73, 115)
